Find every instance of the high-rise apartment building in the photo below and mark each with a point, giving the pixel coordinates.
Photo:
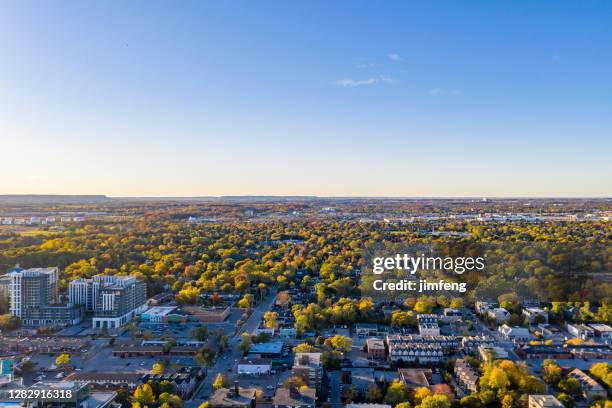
(34, 295)
(32, 288)
(5, 286)
(114, 300)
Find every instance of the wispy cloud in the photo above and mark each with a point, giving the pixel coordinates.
(394, 56)
(363, 82)
(442, 91)
(365, 65)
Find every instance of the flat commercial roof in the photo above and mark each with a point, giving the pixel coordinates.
(159, 310)
(274, 347)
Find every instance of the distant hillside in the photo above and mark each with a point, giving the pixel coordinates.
(42, 198)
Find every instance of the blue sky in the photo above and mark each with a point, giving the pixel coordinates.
(309, 98)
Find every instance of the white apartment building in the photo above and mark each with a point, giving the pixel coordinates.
(114, 300)
(32, 288)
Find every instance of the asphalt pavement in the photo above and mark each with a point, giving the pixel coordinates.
(228, 360)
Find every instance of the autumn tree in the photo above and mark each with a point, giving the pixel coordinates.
(245, 343)
(143, 395)
(435, 401)
(570, 386)
(220, 382)
(340, 343)
(270, 319)
(551, 371)
(157, 369)
(188, 295)
(396, 393)
(373, 393)
(62, 360)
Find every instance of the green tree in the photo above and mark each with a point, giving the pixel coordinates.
(374, 394)
(350, 393)
(28, 366)
(570, 386)
(205, 356)
(470, 401)
(199, 333)
(245, 343)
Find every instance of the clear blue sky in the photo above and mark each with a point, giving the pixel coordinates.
(315, 98)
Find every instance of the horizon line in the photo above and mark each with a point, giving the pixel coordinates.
(230, 196)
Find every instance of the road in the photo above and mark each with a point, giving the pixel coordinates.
(227, 361)
(335, 393)
(507, 345)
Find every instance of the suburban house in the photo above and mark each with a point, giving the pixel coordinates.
(470, 344)
(466, 376)
(591, 388)
(236, 397)
(581, 331)
(516, 334)
(602, 330)
(535, 315)
(376, 349)
(294, 398)
(415, 378)
(366, 329)
(428, 325)
(499, 315)
(544, 401)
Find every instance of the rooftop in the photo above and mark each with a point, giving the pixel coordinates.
(99, 377)
(159, 310)
(367, 406)
(229, 398)
(256, 361)
(545, 401)
(308, 359)
(293, 397)
(415, 377)
(375, 343)
(273, 347)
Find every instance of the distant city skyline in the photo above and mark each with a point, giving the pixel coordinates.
(338, 99)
